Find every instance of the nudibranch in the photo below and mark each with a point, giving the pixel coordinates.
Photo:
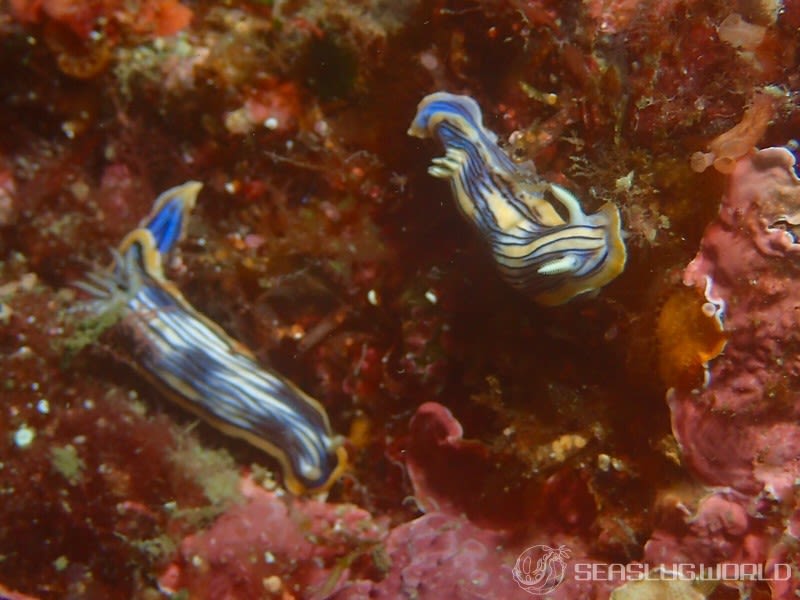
(540, 238)
(198, 365)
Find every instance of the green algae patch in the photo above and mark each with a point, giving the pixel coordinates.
(157, 548)
(65, 460)
(87, 331)
(61, 563)
(215, 472)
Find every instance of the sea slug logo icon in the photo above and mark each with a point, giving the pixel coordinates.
(540, 569)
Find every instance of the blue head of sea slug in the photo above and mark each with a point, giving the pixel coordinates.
(540, 238)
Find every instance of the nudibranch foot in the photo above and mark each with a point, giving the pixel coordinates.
(542, 241)
(199, 366)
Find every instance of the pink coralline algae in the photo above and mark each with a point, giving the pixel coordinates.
(730, 533)
(742, 429)
(274, 545)
(721, 530)
(442, 556)
(445, 554)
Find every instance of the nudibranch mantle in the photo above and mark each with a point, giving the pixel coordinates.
(202, 368)
(541, 240)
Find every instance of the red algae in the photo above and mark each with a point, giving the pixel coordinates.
(478, 424)
(727, 148)
(156, 17)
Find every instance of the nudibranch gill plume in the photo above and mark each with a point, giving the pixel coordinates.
(198, 365)
(541, 240)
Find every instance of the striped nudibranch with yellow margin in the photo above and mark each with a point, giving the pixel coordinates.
(540, 238)
(197, 364)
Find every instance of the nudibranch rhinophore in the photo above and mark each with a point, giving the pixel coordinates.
(542, 241)
(197, 364)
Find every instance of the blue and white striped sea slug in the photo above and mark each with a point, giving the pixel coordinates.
(198, 365)
(541, 240)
